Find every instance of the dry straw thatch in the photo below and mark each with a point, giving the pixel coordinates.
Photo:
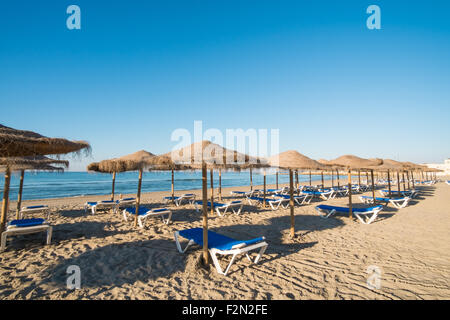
(21, 143)
(354, 162)
(215, 157)
(140, 160)
(294, 160)
(32, 161)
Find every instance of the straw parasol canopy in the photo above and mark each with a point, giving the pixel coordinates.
(293, 160)
(351, 162)
(137, 161)
(31, 161)
(389, 165)
(206, 154)
(213, 155)
(21, 143)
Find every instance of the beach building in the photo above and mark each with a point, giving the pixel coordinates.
(442, 166)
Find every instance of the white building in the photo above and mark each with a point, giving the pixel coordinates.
(442, 166)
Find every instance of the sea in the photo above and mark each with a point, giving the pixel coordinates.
(45, 185)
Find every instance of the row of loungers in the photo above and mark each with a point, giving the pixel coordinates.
(217, 244)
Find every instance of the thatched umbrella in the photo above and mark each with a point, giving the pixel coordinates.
(352, 162)
(137, 161)
(36, 163)
(388, 165)
(203, 155)
(21, 143)
(293, 160)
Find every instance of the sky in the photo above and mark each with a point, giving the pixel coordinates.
(138, 70)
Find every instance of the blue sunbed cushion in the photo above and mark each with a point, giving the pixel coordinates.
(346, 209)
(216, 204)
(132, 210)
(27, 222)
(170, 197)
(128, 199)
(92, 203)
(35, 207)
(215, 240)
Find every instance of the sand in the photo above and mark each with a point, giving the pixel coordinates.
(328, 259)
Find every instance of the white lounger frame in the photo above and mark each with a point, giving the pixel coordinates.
(230, 205)
(274, 203)
(12, 231)
(100, 205)
(397, 203)
(235, 251)
(149, 214)
(26, 210)
(190, 198)
(364, 217)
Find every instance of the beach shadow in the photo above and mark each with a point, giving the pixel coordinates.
(72, 213)
(85, 230)
(115, 265)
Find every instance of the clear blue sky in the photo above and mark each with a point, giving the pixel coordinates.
(137, 70)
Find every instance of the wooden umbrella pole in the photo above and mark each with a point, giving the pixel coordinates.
(350, 193)
(367, 177)
(323, 184)
(205, 213)
(220, 184)
(113, 186)
(5, 199)
(173, 187)
(404, 183)
(412, 179)
(310, 183)
(277, 179)
(398, 182)
(19, 197)
(264, 191)
(407, 178)
(251, 180)
(332, 179)
(291, 203)
(359, 177)
(138, 198)
(373, 188)
(338, 179)
(212, 190)
(389, 184)
(296, 179)
(298, 182)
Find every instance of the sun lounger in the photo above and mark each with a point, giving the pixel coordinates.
(222, 208)
(396, 202)
(407, 193)
(145, 213)
(26, 226)
(274, 203)
(126, 202)
(325, 195)
(301, 199)
(242, 193)
(221, 245)
(178, 200)
(34, 209)
(365, 215)
(100, 205)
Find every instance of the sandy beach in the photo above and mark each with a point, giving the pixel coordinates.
(328, 259)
